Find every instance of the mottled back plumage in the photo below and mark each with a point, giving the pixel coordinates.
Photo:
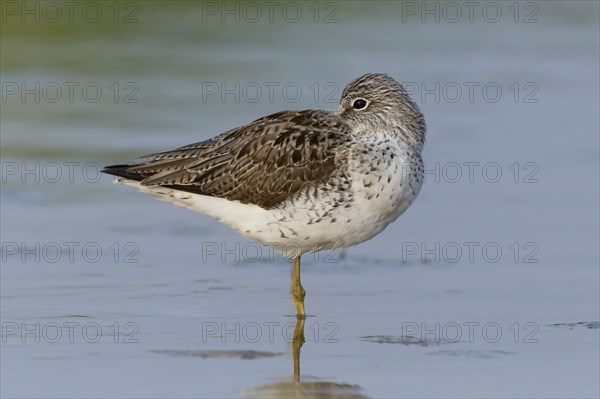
(262, 163)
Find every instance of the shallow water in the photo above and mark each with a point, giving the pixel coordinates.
(486, 287)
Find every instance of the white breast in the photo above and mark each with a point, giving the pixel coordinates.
(385, 181)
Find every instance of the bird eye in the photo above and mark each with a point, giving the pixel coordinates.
(359, 103)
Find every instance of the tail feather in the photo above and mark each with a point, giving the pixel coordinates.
(123, 171)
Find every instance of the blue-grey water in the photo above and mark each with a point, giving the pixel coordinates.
(487, 287)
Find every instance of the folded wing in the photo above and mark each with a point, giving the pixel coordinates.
(263, 163)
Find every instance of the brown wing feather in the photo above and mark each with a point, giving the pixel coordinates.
(263, 163)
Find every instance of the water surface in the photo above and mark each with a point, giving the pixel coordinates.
(486, 287)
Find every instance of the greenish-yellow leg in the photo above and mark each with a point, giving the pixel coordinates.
(298, 290)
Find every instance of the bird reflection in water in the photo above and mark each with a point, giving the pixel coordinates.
(307, 389)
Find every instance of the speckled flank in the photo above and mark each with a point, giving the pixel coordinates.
(310, 179)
